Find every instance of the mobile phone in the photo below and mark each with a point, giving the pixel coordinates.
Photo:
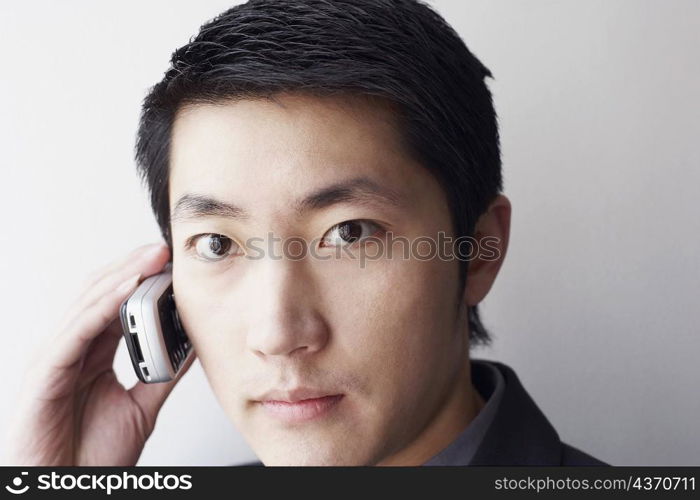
(155, 338)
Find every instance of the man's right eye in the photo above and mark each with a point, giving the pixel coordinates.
(213, 247)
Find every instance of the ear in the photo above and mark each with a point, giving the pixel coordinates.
(491, 231)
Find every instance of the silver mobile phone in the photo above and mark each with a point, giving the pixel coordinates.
(157, 342)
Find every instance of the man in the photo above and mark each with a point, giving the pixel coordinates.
(294, 151)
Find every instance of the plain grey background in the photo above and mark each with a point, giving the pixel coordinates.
(596, 304)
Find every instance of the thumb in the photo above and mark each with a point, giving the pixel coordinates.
(150, 397)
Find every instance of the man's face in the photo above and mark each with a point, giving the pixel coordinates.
(382, 340)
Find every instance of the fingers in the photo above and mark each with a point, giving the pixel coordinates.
(71, 343)
(96, 275)
(146, 262)
(150, 397)
(100, 354)
(59, 364)
(97, 309)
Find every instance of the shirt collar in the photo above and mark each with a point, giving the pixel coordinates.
(489, 381)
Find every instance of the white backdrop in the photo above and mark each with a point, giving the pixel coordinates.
(595, 307)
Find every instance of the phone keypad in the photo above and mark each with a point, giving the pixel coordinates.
(176, 340)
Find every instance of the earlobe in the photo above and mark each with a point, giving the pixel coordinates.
(492, 232)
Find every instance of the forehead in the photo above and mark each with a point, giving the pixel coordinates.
(257, 150)
(285, 121)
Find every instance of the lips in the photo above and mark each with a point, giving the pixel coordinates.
(300, 405)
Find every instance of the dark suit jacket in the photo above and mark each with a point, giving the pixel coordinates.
(520, 434)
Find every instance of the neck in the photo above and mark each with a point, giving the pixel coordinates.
(461, 407)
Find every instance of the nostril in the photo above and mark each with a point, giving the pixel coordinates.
(302, 348)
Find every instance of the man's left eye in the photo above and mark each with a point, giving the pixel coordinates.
(348, 232)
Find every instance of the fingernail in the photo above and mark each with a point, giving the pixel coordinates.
(129, 284)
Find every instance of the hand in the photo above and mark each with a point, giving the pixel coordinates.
(72, 409)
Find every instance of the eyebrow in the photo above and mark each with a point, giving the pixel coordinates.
(360, 190)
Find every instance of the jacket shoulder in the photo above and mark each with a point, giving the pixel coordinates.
(573, 456)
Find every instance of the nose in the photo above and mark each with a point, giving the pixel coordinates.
(285, 319)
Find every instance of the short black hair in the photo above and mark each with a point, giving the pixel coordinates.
(399, 50)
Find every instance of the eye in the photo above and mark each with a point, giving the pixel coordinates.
(213, 247)
(349, 231)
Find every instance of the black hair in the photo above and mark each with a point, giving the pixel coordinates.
(398, 50)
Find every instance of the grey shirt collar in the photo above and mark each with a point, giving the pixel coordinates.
(489, 381)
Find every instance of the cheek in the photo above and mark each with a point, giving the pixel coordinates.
(395, 321)
(207, 316)
(394, 325)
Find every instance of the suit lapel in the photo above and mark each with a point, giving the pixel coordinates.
(519, 434)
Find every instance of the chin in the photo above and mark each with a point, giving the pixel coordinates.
(306, 454)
